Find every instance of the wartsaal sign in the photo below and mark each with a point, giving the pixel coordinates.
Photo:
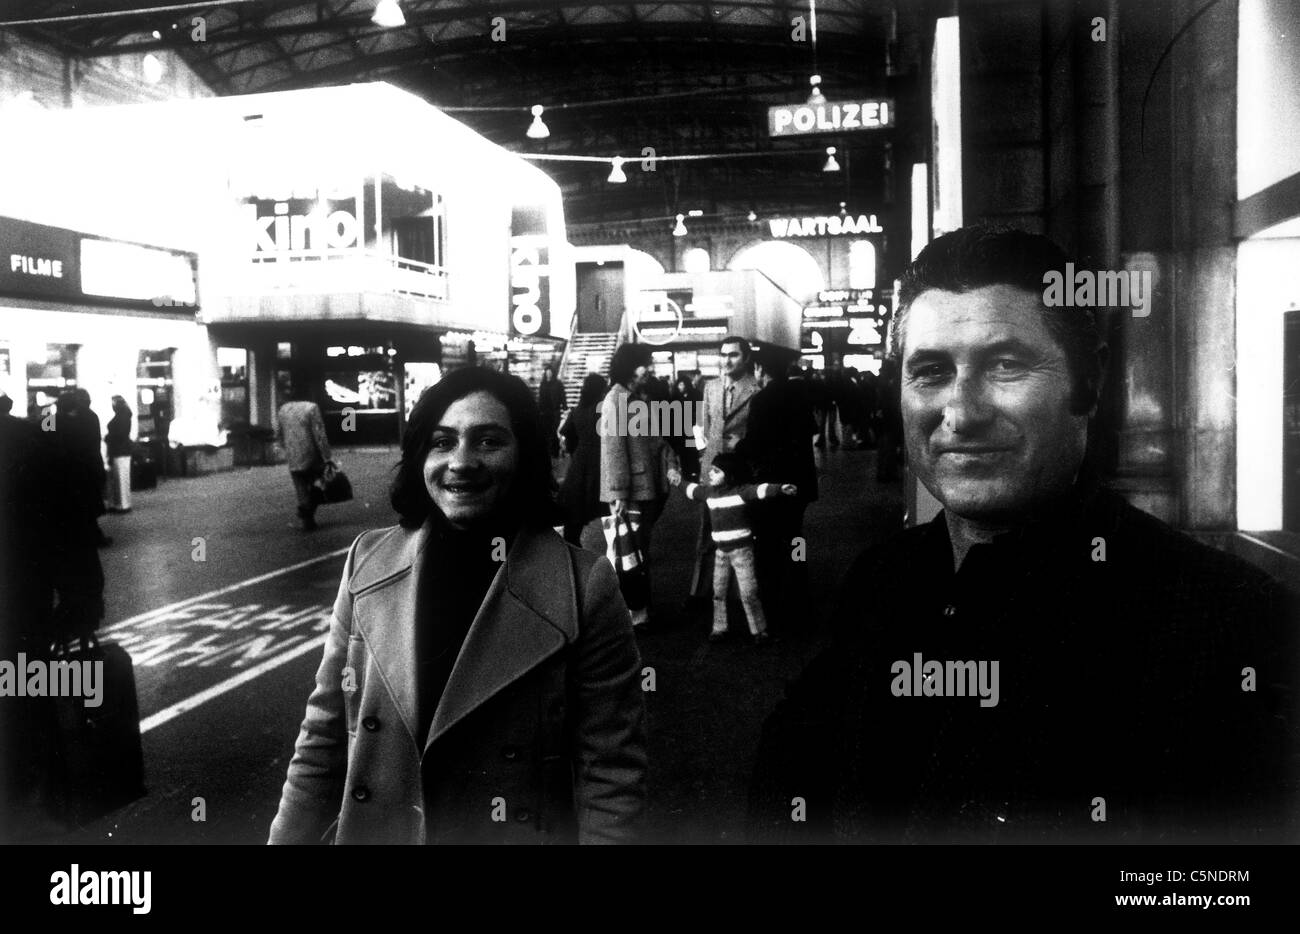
(828, 117)
(833, 226)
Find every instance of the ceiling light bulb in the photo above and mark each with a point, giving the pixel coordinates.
(537, 129)
(752, 217)
(680, 229)
(831, 165)
(816, 96)
(616, 174)
(388, 14)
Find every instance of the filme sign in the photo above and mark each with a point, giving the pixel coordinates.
(530, 273)
(841, 117)
(54, 264)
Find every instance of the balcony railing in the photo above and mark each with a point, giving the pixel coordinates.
(335, 271)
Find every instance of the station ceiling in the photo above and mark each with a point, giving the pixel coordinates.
(685, 78)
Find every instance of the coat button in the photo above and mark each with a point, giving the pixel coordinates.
(361, 793)
(523, 815)
(510, 753)
(371, 723)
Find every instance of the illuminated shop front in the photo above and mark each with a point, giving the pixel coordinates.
(354, 263)
(847, 327)
(79, 311)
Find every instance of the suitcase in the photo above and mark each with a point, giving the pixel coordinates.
(144, 474)
(100, 762)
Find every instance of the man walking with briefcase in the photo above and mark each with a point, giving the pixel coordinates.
(307, 450)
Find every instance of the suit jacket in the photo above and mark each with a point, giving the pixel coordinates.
(627, 460)
(302, 432)
(778, 441)
(723, 433)
(537, 736)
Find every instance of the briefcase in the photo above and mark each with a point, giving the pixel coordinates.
(99, 759)
(332, 486)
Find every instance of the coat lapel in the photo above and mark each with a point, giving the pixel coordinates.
(385, 585)
(530, 613)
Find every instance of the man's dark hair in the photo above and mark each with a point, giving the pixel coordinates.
(531, 498)
(593, 390)
(984, 254)
(770, 360)
(735, 467)
(6, 404)
(745, 350)
(622, 368)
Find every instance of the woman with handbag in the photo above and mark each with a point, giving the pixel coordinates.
(630, 455)
(480, 681)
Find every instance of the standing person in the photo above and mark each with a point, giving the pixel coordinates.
(550, 398)
(1036, 606)
(723, 416)
(888, 400)
(480, 682)
(688, 455)
(725, 497)
(306, 449)
(820, 396)
(778, 445)
(627, 457)
(77, 429)
(580, 491)
(118, 441)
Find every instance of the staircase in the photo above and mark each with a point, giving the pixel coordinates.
(585, 349)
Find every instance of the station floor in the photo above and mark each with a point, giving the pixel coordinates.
(199, 557)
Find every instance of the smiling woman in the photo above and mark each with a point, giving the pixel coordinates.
(480, 679)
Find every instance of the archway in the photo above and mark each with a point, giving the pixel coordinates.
(789, 265)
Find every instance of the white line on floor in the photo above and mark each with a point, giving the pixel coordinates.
(224, 590)
(180, 707)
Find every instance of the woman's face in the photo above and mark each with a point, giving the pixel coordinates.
(472, 459)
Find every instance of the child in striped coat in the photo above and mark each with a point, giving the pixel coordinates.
(726, 497)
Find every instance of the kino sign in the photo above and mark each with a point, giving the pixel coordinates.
(806, 119)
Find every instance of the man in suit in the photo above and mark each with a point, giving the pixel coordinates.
(778, 445)
(724, 416)
(306, 450)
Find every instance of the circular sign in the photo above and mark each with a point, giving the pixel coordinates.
(657, 305)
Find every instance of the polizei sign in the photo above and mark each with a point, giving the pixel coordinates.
(848, 116)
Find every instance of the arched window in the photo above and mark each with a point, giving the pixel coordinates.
(862, 264)
(788, 265)
(695, 260)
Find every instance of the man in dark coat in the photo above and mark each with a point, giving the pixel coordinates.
(78, 432)
(778, 445)
(1042, 662)
(51, 586)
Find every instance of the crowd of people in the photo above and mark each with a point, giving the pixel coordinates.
(742, 447)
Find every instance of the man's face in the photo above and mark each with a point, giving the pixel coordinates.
(734, 364)
(986, 403)
(641, 377)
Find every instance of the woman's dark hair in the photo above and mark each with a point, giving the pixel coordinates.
(734, 467)
(593, 390)
(531, 498)
(622, 368)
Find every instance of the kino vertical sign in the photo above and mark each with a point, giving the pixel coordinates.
(530, 273)
(837, 117)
